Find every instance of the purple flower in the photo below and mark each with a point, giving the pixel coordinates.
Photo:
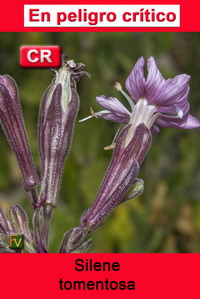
(157, 100)
(154, 97)
(11, 120)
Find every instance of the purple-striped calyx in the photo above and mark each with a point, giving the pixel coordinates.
(11, 120)
(120, 182)
(58, 113)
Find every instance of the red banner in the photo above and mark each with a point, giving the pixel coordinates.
(100, 275)
(13, 15)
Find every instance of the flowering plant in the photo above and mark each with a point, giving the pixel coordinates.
(160, 101)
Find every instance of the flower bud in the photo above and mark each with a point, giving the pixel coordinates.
(20, 222)
(73, 241)
(11, 120)
(58, 112)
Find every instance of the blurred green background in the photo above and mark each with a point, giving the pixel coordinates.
(166, 217)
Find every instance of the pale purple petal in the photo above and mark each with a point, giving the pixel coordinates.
(113, 116)
(155, 83)
(135, 83)
(171, 91)
(113, 105)
(155, 129)
(189, 122)
(179, 101)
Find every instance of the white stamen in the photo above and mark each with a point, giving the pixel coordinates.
(119, 88)
(95, 114)
(86, 118)
(112, 145)
(115, 137)
(109, 147)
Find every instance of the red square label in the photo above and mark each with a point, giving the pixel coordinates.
(40, 56)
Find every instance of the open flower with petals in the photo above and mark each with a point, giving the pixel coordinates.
(157, 100)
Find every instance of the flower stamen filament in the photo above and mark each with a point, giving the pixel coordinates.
(118, 87)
